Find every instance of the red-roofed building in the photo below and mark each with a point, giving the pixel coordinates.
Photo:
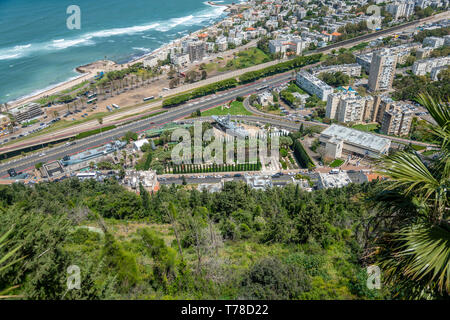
(336, 35)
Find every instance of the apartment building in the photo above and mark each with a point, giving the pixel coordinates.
(282, 46)
(396, 120)
(150, 62)
(352, 70)
(402, 52)
(26, 112)
(433, 42)
(422, 67)
(435, 72)
(382, 70)
(180, 59)
(424, 52)
(313, 85)
(348, 106)
(401, 9)
(196, 50)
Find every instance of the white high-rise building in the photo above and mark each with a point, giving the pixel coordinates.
(401, 9)
(348, 106)
(382, 70)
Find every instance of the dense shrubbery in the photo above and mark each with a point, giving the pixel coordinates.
(236, 243)
(200, 92)
(341, 58)
(419, 37)
(407, 87)
(335, 79)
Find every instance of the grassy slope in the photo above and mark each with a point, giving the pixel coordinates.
(237, 108)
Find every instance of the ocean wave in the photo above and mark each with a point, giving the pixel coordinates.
(64, 44)
(142, 49)
(122, 31)
(201, 17)
(14, 52)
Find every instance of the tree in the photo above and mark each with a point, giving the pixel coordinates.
(6, 262)
(301, 129)
(414, 213)
(271, 279)
(130, 135)
(172, 214)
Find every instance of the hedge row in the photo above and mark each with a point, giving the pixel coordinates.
(200, 92)
(246, 77)
(301, 155)
(194, 168)
(92, 132)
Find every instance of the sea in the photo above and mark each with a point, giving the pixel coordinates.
(39, 51)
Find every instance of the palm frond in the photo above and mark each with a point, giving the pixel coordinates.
(440, 112)
(408, 172)
(421, 254)
(4, 263)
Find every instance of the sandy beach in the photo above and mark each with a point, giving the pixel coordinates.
(89, 71)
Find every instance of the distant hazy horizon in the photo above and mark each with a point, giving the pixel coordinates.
(37, 50)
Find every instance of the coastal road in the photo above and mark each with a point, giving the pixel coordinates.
(186, 109)
(116, 118)
(173, 114)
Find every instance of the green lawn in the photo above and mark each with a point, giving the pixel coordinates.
(418, 147)
(293, 87)
(336, 163)
(236, 108)
(245, 59)
(366, 127)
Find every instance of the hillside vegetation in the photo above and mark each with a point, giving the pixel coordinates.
(237, 243)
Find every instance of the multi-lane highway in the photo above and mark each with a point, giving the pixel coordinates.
(185, 110)
(169, 116)
(346, 43)
(141, 125)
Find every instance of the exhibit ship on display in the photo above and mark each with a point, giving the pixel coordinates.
(93, 153)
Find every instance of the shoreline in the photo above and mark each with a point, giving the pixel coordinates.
(88, 71)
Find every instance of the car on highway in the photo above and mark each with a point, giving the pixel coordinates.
(42, 154)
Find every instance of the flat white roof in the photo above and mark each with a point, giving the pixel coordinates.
(140, 143)
(356, 137)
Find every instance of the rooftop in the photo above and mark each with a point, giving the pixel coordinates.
(357, 137)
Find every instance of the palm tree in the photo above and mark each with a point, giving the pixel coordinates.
(413, 247)
(6, 262)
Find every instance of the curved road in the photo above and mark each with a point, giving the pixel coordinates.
(184, 110)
